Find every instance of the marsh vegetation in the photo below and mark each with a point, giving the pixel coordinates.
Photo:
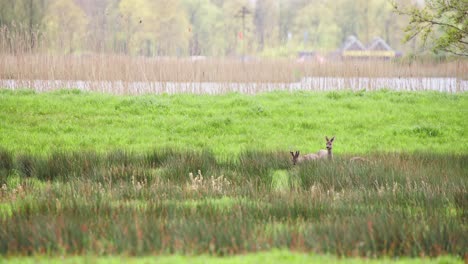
(79, 191)
(167, 202)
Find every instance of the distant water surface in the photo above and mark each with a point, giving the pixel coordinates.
(450, 85)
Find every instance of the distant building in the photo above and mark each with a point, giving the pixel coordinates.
(352, 44)
(378, 48)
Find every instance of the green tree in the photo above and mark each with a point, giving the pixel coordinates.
(155, 27)
(353, 18)
(287, 14)
(23, 17)
(6, 11)
(34, 11)
(266, 19)
(135, 19)
(443, 22)
(98, 28)
(116, 37)
(173, 27)
(388, 24)
(315, 28)
(367, 20)
(65, 24)
(206, 27)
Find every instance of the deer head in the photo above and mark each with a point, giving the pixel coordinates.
(295, 157)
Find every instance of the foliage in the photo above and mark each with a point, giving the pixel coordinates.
(265, 19)
(206, 28)
(66, 24)
(443, 22)
(23, 18)
(316, 27)
(196, 27)
(154, 27)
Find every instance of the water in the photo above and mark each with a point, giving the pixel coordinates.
(450, 85)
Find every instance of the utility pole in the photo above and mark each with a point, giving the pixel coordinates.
(242, 13)
(31, 24)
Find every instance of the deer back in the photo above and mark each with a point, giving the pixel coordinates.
(322, 153)
(308, 157)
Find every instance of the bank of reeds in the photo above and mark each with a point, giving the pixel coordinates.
(189, 202)
(114, 67)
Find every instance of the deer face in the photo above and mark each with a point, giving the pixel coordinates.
(329, 143)
(295, 157)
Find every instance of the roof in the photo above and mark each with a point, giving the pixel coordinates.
(379, 44)
(352, 43)
(378, 48)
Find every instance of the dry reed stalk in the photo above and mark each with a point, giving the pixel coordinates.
(110, 67)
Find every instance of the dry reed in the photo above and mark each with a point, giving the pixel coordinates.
(114, 67)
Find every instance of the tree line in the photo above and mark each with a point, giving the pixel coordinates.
(198, 27)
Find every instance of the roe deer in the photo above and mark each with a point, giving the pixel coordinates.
(320, 154)
(297, 159)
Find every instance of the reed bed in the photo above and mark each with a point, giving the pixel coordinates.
(187, 202)
(114, 67)
(120, 74)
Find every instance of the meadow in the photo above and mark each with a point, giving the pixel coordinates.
(103, 175)
(364, 122)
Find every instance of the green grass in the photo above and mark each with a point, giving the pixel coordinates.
(168, 202)
(271, 257)
(97, 175)
(363, 122)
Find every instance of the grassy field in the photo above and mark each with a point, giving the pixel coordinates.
(91, 174)
(363, 122)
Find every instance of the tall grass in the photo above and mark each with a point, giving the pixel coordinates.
(6, 162)
(391, 205)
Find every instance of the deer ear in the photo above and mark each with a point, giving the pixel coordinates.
(333, 138)
(292, 153)
(326, 138)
